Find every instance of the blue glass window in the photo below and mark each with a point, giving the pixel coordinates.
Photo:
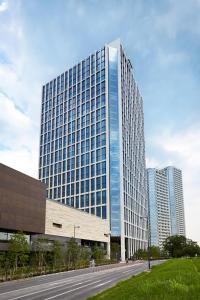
(87, 158)
(98, 183)
(92, 156)
(77, 202)
(98, 127)
(98, 211)
(103, 197)
(93, 130)
(82, 201)
(87, 145)
(92, 184)
(103, 153)
(82, 187)
(98, 198)
(87, 185)
(98, 115)
(87, 200)
(83, 160)
(92, 170)
(98, 169)
(87, 173)
(77, 174)
(82, 173)
(98, 141)
(77, 188)
(93, 199)
(103, 212)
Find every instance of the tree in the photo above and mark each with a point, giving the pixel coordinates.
(85, 254)
(141, 254)
(155, 252)
(191, 249)
(174, 245)
(72, 253)
(97, 253)
(178, 246)
(18, 250)
(40, 247)
(115, 250)
(56, 253)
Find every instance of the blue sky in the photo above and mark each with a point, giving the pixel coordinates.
(40, 39)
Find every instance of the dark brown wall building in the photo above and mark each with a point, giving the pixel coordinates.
(22, 202)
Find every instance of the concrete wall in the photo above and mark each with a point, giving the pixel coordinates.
(91, 227)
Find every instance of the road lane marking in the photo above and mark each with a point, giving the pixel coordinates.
(67, 292)
(75, 278)
(39, 285)
(128, 271)
(102, 284)
(57, 283)
(44, 290)
(132, 270)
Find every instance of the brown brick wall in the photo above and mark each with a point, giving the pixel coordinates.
(22, 202)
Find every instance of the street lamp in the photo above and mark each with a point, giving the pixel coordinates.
(75, 227)
(148, 246)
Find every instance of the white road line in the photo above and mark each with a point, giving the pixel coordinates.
(57, 282)
(65, 281)
(130, 271)
(102, 284)
(69, 279)
(64, 293)
(39, 285)
(44, 290)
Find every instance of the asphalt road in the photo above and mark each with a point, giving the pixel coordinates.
(78, 284)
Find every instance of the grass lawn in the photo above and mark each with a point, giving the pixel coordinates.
(173, 280)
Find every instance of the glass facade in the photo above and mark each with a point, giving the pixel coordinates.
(159, 210)
(153, 213)
(73, 136)
(133, 148)
(166, 206)
(172, 202)
(176, 200)
(114, 142)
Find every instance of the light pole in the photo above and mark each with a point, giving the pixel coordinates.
(148, 245)
(75, 227)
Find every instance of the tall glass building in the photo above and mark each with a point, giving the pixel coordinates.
(92, 152)
(159, 208)
(166, 204)
(176, 200)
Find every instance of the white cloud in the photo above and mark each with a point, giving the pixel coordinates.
(19, 138)
(3, 6)
(182, 149)
(22, 160)
(178, 16)
(166, 58)
(19, 96)
(12, 119)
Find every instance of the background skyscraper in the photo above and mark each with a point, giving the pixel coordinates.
(166, 204)
(92, 152)
(159, 210)
(176, 200)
